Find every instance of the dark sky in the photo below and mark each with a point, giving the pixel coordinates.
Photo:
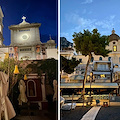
(35, 11)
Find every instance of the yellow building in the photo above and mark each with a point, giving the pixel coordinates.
(114, 46)
(67, 53)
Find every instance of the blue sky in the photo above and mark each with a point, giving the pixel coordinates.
(77, 15)
(35, 11)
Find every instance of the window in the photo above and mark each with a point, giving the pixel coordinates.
(114, 48)
(10, 48)
(25, 49)
(100, 58)
(24, 30)
(102, 75)
(92, 59)
(44, 54)
(80, 60)
(102, 67)
(119, 59)
(109, 58)
(113, 42)
(31, 91)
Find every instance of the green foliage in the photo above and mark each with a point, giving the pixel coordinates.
(8, 65)
(4, 66)
(89, 42)
(68, 65)
(11, 63)
(47, 66)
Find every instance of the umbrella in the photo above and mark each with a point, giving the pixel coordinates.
(55, 90)
(22, 88)
(5, 104)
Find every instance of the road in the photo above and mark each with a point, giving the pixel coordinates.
(105, 113)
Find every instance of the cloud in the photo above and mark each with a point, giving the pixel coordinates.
(106, 23)
(112, 17)
(79, 23)
(87, 1)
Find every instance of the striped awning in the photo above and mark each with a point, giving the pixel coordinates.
(87, 85)
(101, 72)
(76, 77)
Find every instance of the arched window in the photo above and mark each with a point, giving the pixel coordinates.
(114, 48)
(92, 59)
(100, 58)
(113, 42)
(109, 58)
(80, 60)
(31, 89)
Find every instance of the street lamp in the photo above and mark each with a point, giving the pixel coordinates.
(91, 79)
(15, 75)
(16, 71)
(25, 77)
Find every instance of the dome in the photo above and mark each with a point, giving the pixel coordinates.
(113, 36)
(51, 41)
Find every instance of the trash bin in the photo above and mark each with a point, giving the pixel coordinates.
(97, 102)
(106, 104)
(103, 104)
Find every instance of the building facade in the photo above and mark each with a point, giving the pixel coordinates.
(105, 70)
(26, 43)
(114, 55)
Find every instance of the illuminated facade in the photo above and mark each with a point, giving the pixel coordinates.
(25, 42)
(26, 38)
(103, 69)
(114, 55)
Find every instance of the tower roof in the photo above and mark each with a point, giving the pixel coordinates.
(51, 41)
(113, 36)
(24, 24)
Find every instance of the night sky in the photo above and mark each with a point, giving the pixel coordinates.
(35, 11)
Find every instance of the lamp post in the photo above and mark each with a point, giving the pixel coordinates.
(14, 81)
(25, 77)
(91, 79)
(16, 72)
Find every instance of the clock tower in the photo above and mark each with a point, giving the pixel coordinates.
(24, 38)
(25, 34)
(1, 27)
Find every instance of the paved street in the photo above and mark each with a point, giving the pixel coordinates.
(105, 113)
(91, 114)
(109, 113)
(74, 114)
(33, 113)
(37, 115)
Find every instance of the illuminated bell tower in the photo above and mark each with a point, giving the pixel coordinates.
(1, 27)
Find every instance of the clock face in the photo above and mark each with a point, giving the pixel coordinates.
(25, 36)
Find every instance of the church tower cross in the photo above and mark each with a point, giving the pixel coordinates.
(23, 18)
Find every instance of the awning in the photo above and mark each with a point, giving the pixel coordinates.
(87, 85)
(101, 72)
(76, 77)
